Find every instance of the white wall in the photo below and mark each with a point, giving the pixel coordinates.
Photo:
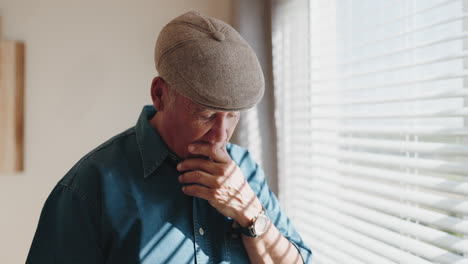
(89, 67)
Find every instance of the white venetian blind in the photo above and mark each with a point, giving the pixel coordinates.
(372, 111)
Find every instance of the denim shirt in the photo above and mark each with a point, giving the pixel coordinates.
(122, 203)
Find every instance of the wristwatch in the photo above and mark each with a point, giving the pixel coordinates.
(258, 227)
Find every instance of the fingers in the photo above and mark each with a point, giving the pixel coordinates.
(202, 178)
(222, 184)
(200, 164)
(198, 191)
(215, 152)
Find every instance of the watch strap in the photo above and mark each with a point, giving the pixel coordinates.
(248, 231)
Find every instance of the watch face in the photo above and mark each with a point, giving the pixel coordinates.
(261, 224)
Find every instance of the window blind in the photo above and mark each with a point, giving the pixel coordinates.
(371, 112)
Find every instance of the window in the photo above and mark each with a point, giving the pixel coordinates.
(371, 100)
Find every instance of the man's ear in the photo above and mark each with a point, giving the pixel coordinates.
(158, 93)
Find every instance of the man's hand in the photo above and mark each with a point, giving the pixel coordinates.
(219, 181)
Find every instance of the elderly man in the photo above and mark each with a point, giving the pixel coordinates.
(173, 189)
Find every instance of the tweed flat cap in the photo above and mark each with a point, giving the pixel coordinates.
(208, 61)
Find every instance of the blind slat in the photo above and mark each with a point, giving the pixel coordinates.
(324, 101)
(400, 67)
(375, 245)
(420, 180)
(427, 251)
(440, 166)
(433, 236)
(323, 114)
(322, 249)
(303, 129)
(390, 145)
(387, 54)
(323, 90)
(402, 193)
(433, 218)
(358, 254)
(403, 33)
(395, 20)
(321, 259)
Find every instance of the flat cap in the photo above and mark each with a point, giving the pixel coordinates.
(208, 61)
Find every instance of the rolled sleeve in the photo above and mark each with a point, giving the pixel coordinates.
(257, 180)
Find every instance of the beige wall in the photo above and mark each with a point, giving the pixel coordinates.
(88, 71)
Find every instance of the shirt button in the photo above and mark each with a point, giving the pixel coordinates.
(201, 231)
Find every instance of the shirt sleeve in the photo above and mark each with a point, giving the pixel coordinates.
(256, 179)
(67, 230)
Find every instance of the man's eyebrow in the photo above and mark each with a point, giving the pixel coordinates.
(195, 109)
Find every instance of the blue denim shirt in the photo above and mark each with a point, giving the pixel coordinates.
(122, 203)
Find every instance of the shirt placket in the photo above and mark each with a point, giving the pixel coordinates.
(201, 233)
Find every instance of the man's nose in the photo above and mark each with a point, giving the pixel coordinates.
(219, 130)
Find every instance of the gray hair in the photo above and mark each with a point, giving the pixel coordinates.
(171, 95)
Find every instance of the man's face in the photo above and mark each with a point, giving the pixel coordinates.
(190, 123)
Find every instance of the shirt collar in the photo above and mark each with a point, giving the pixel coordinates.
(153, 149)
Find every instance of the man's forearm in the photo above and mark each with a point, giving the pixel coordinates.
(271, 247)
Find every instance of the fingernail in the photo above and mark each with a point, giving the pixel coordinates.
(180, 177)
(183, 189)
(179, 167)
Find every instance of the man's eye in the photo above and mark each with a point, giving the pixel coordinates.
(233, 115)
(207, 117)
